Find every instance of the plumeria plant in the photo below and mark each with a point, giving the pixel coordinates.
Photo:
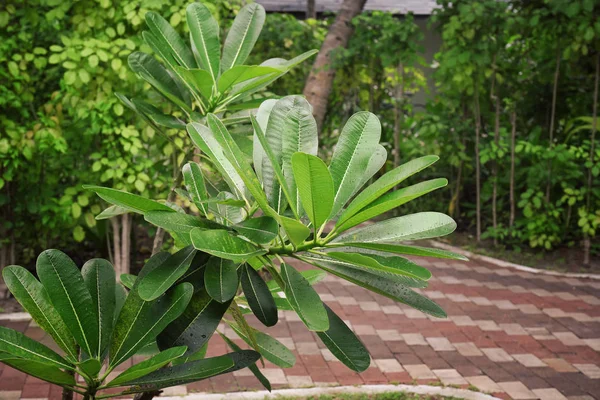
(251, 221)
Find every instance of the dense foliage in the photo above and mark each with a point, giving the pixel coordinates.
(62, 126)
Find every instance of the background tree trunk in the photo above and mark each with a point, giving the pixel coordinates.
(311, 9)
(588, 195)
(552, 118)
(125, 242)
(495, 169)
(398, 113)
(477, 115)
(116, 230)
(320, 80)
(513, 134)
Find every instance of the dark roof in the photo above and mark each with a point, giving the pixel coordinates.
(417, 7)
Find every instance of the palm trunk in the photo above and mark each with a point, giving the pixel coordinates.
(477, 161)
(552, 118)
(588, 195)
(320, 80)
(513, 134)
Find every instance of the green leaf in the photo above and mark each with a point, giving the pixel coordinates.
(242, 73)
(141, 321)
(377, 284)
(313, 276)
(384, 184)
(178, 222)
(161, 278)
(157, 116)
(198, 80)
(169, 38)
(262, 118)
(147, 366)
(417, 226)
(383, 248)
(386, 265)
(206, 141)
(242, 35)
(196, 325)
(252, 367)
(315, 187)
(131, 202)
(32, 295)
(20, 346)
(112, 211)
(303, 298)
(344, 344)
(99, 277)
(128, 280)
(221, 279)
(157, 76)
(260, 230)
(392, 200)
(40, 370)
(194, 182)
(259, 297)
(90, 367)
(269, 347)
(357, 143)
(183, 373)
(71, 298)
(295, 230)
(204, 33)
(222, 244)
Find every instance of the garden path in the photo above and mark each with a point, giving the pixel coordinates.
(510, 333)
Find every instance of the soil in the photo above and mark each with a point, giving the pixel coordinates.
(565, 259)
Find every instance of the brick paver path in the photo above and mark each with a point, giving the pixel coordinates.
(513, 334)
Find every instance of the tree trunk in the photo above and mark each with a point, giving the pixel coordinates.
(311, 9)
(552, 118)
(477, 113)
(588, 195)
(513, 135)
(116, 228)
(398, 113)
(496, 99)
(125, 242)
(320, 80)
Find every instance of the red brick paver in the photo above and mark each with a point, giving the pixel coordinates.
(509, 333)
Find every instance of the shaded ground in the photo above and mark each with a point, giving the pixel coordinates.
(513, 334)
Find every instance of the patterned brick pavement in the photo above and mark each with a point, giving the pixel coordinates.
(509, 333)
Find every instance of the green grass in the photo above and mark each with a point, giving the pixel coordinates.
(364, 396)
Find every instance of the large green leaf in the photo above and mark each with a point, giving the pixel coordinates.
(291, 128)
(141, 321)
(70, 297)
(178, 222)
(156, 75)
(170, 39)
(157, 116)
(417, 226)
(99, 276)
(194, 182)
(20, 346)
(110, 212)
(260, 229)
(269, 347)
(376, 162)
(222, 244)
(391, 200)
(32, 295)
(262, 118)
(203, 138)
(384, 184)
(398, 269)
(315, 187)
(204, 32)
(252, 367)
(295, 230)
(357, 143)
(196, 325)
(303, 298)
(131, 202)
(377, 284)
(221, 279)
(147, 366)
(344, 344)
(198, 80)
(161, 278)
(243, 73)
(183, 373)
(313, 276)
(40, 370)
(259, 297)
(242, 35)
(385, 248)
